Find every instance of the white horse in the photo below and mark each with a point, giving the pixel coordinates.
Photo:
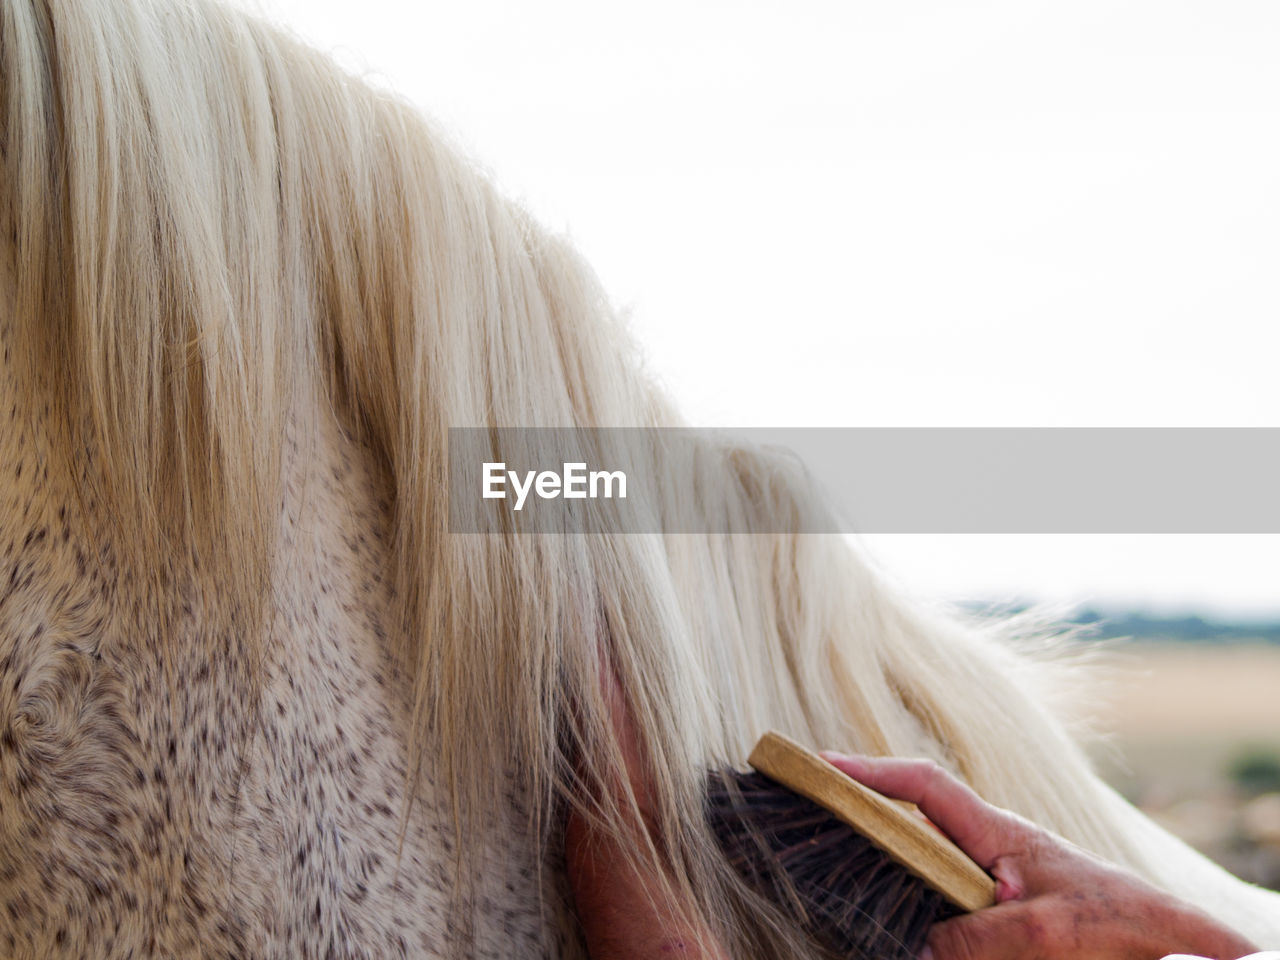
(255, 699)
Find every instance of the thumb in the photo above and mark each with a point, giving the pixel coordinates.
(1008, 931)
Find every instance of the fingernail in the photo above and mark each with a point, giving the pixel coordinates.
(926, 953)
(1007, 891)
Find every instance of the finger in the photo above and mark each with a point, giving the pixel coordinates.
(984, 832)
(1010, 931)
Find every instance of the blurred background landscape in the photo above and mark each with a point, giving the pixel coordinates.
(1193, 724)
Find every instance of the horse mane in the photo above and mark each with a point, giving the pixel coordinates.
(210, 220)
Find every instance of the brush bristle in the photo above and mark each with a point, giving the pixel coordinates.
(843, 890)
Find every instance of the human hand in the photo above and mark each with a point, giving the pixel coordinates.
(1053, 899)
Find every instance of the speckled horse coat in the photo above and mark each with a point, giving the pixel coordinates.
(133, 824)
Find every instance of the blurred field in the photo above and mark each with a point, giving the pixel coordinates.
(1196, 743)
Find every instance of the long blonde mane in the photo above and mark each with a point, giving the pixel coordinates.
(210, 221)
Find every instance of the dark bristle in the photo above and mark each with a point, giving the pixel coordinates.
(843, 890)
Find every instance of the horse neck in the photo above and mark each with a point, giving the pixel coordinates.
(205, 792)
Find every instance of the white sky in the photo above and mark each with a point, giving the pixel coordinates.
(873, 214)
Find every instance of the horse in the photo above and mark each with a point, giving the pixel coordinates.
(257, 699)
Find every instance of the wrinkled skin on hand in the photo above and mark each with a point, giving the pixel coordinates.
(1054, 900)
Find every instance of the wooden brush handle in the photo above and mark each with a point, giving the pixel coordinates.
(910, 841)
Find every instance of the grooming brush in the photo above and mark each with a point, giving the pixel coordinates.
(864, 875)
